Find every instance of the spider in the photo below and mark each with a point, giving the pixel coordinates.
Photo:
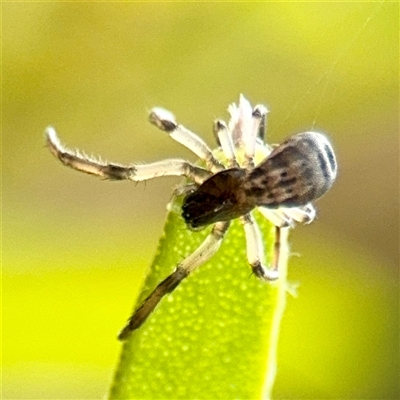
(244, 173)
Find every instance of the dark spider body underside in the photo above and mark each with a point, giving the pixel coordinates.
(219, 198)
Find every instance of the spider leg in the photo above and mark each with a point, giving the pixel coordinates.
(184, 190)
(252, 131)
(260, 112)
(255, 250)
(204, 252)
(305, 214)
(224, 137)
(165, 121)
(277, 217)
(277, 249)
(284, 217)
(138, 172)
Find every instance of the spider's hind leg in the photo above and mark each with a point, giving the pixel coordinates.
(255, 250)
(202, 254)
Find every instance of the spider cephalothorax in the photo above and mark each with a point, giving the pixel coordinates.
(281, 182)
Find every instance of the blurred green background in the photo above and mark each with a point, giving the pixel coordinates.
(75, 248)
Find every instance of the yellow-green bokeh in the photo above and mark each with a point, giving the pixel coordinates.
(75, 248)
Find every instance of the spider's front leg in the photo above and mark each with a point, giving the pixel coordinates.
(112, 171)
(255, 250)
(202, 254)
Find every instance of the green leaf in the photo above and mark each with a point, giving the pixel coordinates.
(216, 335)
